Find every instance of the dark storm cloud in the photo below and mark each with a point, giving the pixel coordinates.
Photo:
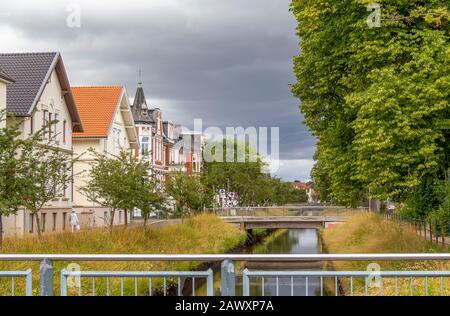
(228, 62)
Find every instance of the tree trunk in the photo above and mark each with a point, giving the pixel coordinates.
(38, 224)
(126, 217)
(111, 220)
(1, 231)
(182, 214)
(145, 219)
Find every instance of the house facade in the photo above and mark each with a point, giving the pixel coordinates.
(4, 81)
(164, 143)
(309, 190)
(108, 128)
(40, 94)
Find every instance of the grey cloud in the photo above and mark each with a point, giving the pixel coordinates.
(228, 62)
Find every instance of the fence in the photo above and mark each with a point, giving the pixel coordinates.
(437, 232)
(179, 275)
(228, 279)
(304, 280)
(27, 275)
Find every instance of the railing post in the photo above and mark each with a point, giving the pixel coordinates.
(46, 278)
(228, 278)
(63, 283)
(210, 283)
(29, 283)
(246, 283)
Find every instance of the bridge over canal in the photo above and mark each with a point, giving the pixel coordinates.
(284, 222)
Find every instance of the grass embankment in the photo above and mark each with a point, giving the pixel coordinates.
(204, 234)
(369, 233)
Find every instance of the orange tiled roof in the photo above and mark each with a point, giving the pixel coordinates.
(96, 106)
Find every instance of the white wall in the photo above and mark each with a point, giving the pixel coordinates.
(2, 100)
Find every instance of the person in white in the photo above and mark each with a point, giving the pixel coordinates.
(74, 223)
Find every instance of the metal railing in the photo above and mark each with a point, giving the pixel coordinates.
(430, 229)
(27, 275)
(135, 275)
(228, 273)
(301, 282)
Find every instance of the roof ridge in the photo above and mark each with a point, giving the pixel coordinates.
(30, 53)
(98, 86)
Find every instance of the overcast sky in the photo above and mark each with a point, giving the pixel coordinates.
(228, 62)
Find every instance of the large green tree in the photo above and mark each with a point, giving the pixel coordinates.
(377, 98)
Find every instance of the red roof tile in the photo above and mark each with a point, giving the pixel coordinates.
(96, 106)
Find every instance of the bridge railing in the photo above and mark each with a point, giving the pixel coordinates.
(149, 276)
(320, 283)
(283, 211)
(13, 275)
(228, 271)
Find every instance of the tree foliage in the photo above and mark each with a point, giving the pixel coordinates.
(376, 98)
(187, 190)
(116, 181)
(243, 171)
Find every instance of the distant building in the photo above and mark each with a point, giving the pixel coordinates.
(108, 128)
(40, 94)
(167, 147)
(309, 190)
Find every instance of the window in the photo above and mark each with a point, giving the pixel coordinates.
(144, 146)
(105, 218)
(64, 131)
(44, 122)
(31, 223)
(120, 217)
(64, 219)
(116, 136)
(54, 221)
(55, 125)
(43, 216)
(50, 123)
(32, 124)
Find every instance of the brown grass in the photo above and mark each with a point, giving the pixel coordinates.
(369, 233)
(204, 234)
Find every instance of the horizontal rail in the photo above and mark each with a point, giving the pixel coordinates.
(222, 257)
(137, 274)
(15, 273)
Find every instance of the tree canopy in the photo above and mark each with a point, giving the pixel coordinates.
(377, 98)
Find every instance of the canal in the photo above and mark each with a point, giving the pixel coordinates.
(291, 241)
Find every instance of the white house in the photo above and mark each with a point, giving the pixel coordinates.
(39, 94)
(109, 128)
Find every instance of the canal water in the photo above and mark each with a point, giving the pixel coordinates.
(292, 241)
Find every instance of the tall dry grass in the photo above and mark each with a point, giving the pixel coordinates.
(370, 233)
(204, 234)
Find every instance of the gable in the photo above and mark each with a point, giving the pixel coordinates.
(31, 72)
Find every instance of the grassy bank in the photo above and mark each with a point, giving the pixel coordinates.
(369, 233)
(204, 234)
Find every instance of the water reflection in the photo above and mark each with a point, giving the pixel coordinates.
(293, 241)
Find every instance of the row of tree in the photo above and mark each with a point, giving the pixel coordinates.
(377, 99)
(33, 172)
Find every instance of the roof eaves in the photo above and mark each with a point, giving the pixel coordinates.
(43, 84)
